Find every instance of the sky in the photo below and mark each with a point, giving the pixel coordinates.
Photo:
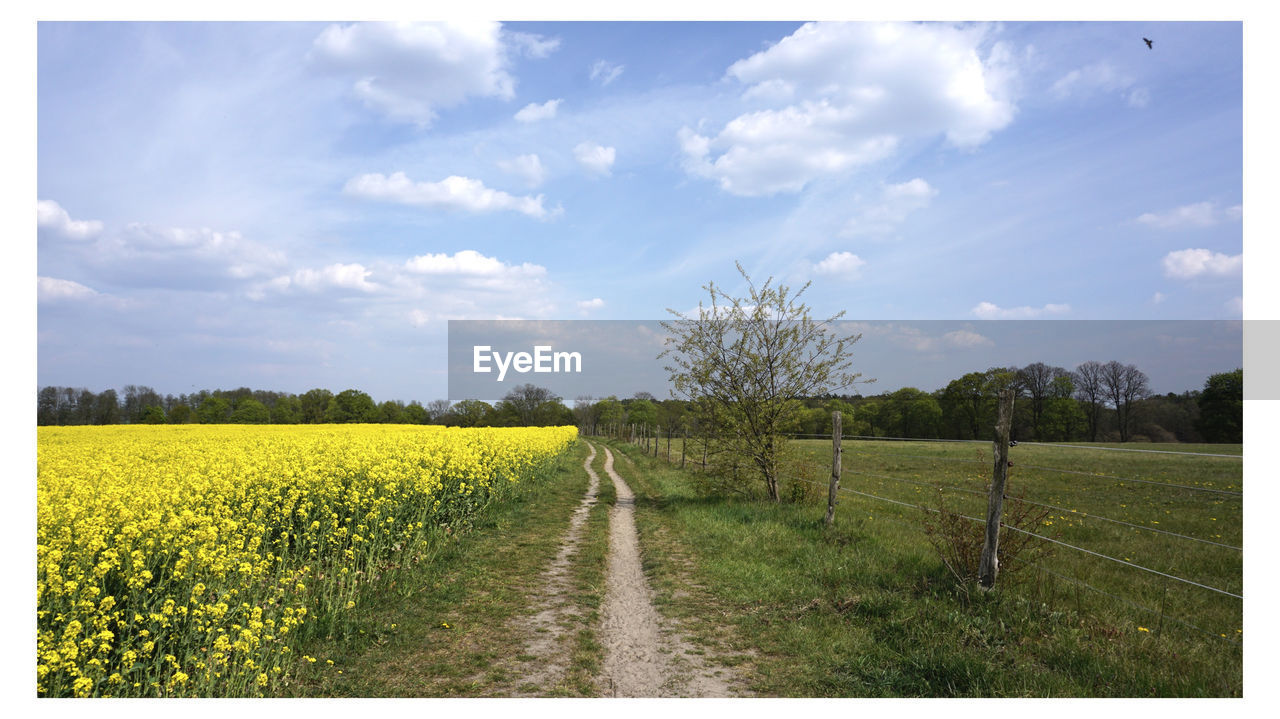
(295, 205)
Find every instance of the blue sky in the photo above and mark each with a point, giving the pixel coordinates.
(306, 204)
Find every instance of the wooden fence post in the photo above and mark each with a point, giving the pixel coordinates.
(835, 469)
(989, 566)
(684, 443)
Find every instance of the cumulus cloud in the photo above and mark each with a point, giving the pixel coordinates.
(1197, 214)
(594, 303)
(50, 289)
(470, 263)
(605, 72)
(352, 277)
(595, 159)
(1192, 263)
(838, 96)
(527, 167)
(534, 112)
(53, 222)
(965, 339)
(839, 264)
(408, 71)
(451, 193)
(989, 311)
(883, 215)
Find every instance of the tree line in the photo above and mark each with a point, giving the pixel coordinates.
(525, 405)
(1096, 402)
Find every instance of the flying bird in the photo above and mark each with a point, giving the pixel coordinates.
(1148, 42)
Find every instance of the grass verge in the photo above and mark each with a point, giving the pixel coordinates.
(866, 609)
(450, 627)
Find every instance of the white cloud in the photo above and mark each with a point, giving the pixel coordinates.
(146, 255)
(49, 289)
(53, 222)
(595, 159)
(853, 92)
(1139, 97)
(605, 71)
(470, 263)
(1192, 263)
(989, 311)
(1197, 214)
(895, 203)
(839, 264)
(1158, 297)
(965, 339)
(1084, 81)
(408, 71)
(527, 167)
(594, 303)
(534, 112)
(336, 276)
(452, 193)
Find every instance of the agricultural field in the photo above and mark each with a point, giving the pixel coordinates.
(1137, 594)
(192, 560)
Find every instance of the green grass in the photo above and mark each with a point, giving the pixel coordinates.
(449, 627)
(866, 608)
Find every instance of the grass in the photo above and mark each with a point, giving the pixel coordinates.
(449, 627)
(866, 609)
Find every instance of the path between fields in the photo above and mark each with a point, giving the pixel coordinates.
(549, 659)
(643, 656)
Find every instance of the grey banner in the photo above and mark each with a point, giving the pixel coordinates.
(599, 358)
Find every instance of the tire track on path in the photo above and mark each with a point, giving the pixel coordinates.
(641, 658)
(547, 628)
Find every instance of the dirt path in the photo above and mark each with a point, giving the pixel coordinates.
(546, 657)
(642, 657)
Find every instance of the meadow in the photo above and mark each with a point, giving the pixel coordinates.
(1137, 594)
(193, 560)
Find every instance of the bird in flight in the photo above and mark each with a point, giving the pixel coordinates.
(1148, 42)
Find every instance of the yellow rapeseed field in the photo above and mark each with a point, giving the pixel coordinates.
(187, 560)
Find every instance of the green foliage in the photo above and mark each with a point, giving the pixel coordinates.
(287, 410)
(1222, 407)
(314, 404)
(153, 415)
(180, 414)
(415, 413)
(213, 410)
(471, 413)
(349, 406)
(250, 411)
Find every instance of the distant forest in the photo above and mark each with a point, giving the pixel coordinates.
(1098, 402)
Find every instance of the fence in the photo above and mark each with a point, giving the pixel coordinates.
(1172, 574)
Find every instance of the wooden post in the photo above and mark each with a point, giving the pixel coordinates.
(989, 566)
(684, 443)
(834, 486)
(668, 446)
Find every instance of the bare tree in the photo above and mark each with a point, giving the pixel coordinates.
(1037, 381)
(1089, 389)
(1122, 384)
(742, 362)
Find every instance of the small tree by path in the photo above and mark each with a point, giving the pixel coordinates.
(743, 360)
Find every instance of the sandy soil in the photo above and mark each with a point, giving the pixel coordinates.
(644, 657)
(548, 626)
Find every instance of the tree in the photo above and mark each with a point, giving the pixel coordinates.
(1089, 390)
(250, 411)
(1122, 384)
(741, 362)
(415, 413)
(153, 414)
(437, 410)
(390, 412)
(315, 403)
(180, 414)
(528, 405)
(213, 410)
(1222, 408)
(287, 410)
(471, 413)
(350, 405)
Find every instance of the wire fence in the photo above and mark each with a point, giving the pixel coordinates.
(1086, 553)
